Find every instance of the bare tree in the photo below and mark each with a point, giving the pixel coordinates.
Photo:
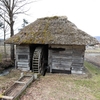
(11, 8)
(4, 28)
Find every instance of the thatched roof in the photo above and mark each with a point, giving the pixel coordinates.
(52, 30)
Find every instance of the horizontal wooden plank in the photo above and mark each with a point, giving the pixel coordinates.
(61, 46)
(77, 61)
(78, 54)
(66, 60)
(79, 47)
(22, 49)
(23, 66)
(7, 97)
(77, 65)
(60, 56)
(62, 52)
(66, 52)
(23, 69)
(61, 59)
(77, 57)
(75, 50)
(20, 82)
(76, 71)
(23, 63)
(60, 67)
(62, 63)
(77, 68)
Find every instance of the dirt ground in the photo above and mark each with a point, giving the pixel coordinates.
(57, 87)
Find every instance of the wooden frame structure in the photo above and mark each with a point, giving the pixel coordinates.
(17, 88)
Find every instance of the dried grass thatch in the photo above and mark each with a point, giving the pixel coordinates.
(52, 30)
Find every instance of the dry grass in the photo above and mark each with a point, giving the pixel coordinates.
(66, 87)
(7, 51)
(59, 87)
(93, 58)
(6, 81)
(93, 55)
(93, 50)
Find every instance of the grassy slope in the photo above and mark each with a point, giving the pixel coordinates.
(93, 83)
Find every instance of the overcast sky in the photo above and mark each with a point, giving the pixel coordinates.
(85, 14)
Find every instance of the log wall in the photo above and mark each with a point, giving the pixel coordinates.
(23, 58)
(70, 58)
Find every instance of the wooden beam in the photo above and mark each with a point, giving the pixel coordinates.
(7, 97)
(20, 82)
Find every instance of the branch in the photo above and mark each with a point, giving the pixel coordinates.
(26, 3)
(13, 5)
(7, 6)
(20, 7)
(3, 10)
(4, 19)
(21, 12)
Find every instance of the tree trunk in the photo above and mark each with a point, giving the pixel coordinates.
(4, 30)
(12, 33)
(12, 52)
(4, 43)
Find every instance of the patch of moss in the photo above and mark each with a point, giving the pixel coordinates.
(16, 39)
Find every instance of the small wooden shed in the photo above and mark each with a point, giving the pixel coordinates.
(51, 42)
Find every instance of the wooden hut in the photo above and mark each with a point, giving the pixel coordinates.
(51, 41)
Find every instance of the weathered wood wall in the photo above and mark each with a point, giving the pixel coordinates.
(22, 59)
(78, 59)
(66, 58)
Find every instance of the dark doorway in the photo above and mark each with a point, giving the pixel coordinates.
(45, 53)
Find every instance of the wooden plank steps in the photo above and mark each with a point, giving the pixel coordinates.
(17, 88)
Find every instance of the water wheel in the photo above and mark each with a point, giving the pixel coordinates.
(38, 61)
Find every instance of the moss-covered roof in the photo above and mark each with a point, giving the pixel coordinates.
(52, 30)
